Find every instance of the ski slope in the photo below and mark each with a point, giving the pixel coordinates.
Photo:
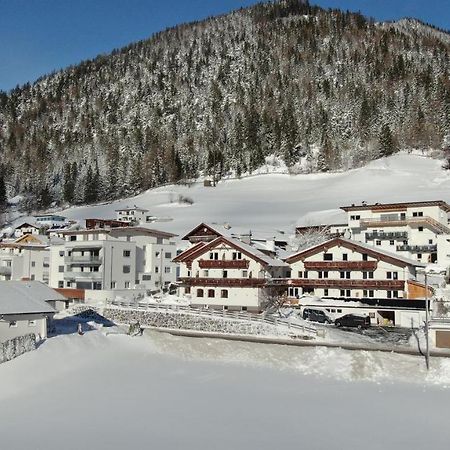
(269, 203)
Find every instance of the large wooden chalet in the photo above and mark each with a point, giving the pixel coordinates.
(220, 271)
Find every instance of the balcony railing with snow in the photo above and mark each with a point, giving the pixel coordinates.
(417, 248)
(387, 235)
(83, 259)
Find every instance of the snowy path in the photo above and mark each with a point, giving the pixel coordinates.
(168, 392)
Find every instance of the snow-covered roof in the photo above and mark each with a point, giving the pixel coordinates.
(272, 262)
(26, 297)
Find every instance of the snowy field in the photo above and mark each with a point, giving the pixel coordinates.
(165, 392)
(269, 203)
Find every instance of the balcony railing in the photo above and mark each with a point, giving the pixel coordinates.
(402, 221)
(398, 285)
(223, 264)
(234, 282)
(417, 248)
(387, 235)
(83, 275)
(341, 265)
(83, 259)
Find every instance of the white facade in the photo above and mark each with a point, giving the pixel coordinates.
(228, 274)
(340, 268)
(113, 259)
(26, 228)
(133, 215)
(22, 262)
(51, 221)
(410, 229)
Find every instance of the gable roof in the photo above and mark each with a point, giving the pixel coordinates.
(27, 225)
(381, 206)
(26, 297)
(203, 247)
(359, 247)
(208, 229)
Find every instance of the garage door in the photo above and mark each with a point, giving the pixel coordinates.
(442, 339)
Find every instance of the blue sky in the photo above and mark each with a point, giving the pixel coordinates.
(38, 36)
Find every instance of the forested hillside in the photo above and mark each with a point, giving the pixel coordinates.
(328, 88)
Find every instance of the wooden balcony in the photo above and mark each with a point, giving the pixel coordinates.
(395, 285)
(234, 282)
(223, 264)
(341, 265)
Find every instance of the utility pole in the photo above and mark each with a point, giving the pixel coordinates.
(427, 343)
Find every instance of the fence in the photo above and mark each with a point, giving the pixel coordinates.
(237, 315)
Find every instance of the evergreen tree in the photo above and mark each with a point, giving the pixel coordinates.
(386, 141)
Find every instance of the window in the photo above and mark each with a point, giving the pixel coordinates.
(364, 293)
(325, 274)
(345, 275)
(156, 269)
(127, 285)
(237, 255)
(319, 274)
(420, 228)
(12, 324)
(305, 274)
(328, 257)
(378, 242)
(388, 275)
(73, 238)
(157, 254)
(395, 275)
(146, 277)
(342, 293)
(244, 273)
(364, 275)
(395, 294)
(223, 293)
(348, 293)
(126, 269)
(419, 255)
(418, 214)
(325, 292)
(187, 290)
(31, 323)
(214, 255)
(391, 242)
(60, 284)
(365, 257)
(206, 273)
(225, 274)
(244, 308)
(389, 294)
(113, 284)
(126, 253)
(168, 255)
(61, 253)
(60, 269)
(344, 257)
(32, 276)
(167, 270)
(339, 310)
(199, 292)
(211, 293)
(300, 274)
(370, 293)
(430, 241)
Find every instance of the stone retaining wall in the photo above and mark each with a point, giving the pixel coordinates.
(15, 347)
(186, 321)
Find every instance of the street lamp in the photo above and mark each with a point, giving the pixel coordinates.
(427, 331)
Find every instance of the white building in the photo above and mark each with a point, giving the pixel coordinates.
(51, 221)
(25, 308)
(133, 215)
(26, 258)
(413, 229)
(26, 228)
(114, 259)
(340, 268)
(219, 271)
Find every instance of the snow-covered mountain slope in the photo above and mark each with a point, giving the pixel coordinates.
(268, 204)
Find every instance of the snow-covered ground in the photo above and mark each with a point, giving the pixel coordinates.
(166, 392)
(267, 204)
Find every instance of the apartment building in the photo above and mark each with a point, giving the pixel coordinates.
(134, 215)
(412, 229)
(113, 259)
(340, 268)
(222, 272)
(26, 258)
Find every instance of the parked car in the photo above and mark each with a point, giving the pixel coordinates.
(352, 320)
(316, 315)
